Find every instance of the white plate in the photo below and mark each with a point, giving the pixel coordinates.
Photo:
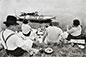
(48, 50)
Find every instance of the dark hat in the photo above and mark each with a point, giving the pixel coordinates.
(25, 21)
(76, 22)
(11, 20)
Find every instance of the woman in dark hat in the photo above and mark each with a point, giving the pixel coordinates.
(74, 30)
(75, 34)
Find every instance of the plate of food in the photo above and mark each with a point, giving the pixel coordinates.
(48, 50)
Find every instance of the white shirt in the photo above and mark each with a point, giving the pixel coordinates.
(75, 31)
(25, 28)
(54, 33)
(13, 42)
(28, 40)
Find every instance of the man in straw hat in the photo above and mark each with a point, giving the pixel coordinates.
(13, 44)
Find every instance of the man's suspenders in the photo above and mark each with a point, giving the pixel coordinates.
(17, 52)
(6, 38)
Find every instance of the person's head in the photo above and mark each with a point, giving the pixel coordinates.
(11, 22)
(76, 22)
(54, 24)
(36, 12)
(50, 24)
(25, 21)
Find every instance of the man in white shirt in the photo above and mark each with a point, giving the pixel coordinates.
(54, 33)
(13, 44)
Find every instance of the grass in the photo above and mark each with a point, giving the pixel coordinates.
(64, 50)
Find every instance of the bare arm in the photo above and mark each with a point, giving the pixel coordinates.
(20, 43)
(29, 49)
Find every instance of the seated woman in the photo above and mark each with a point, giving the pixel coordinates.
(75, 33)
(25, 28)
(74, 30)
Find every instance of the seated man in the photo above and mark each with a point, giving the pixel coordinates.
(13, 44)
(54, 33)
